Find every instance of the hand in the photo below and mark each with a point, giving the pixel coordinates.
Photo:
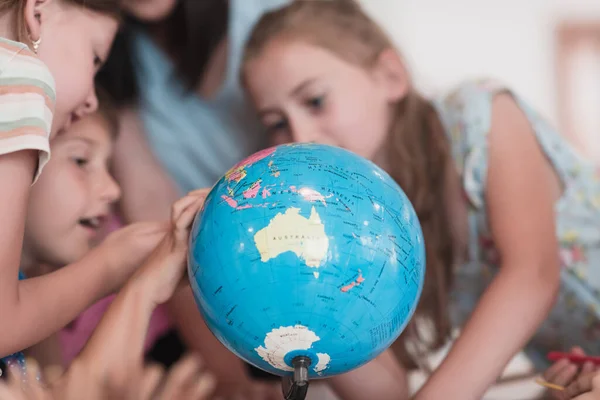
(124, 250)
(165, 268)
(564, 372)
(185, 380)
(17, 387)
(252, 391)
(585, 387)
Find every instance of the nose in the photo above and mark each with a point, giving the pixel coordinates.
(110, 191)
(303, 129)
(89, 106)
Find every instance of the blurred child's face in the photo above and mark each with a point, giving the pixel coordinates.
(75, 43)
(71, 201)
(305, 93)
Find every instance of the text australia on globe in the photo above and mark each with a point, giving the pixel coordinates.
(290, 231)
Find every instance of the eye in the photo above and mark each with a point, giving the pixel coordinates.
(279, 132)
(316, 103)
(277, 126)
(80, 161)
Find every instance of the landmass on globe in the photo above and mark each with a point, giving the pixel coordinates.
(281, 341)
(290, 231)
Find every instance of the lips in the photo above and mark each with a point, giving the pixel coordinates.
(93, 223)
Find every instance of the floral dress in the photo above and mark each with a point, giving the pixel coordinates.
(575, 319)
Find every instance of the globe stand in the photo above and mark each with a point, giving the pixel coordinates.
(296, 386)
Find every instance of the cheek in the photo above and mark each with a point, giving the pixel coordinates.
(360, 125)
(72, 91)
(63, 192)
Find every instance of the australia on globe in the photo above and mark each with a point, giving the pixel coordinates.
(306, 250)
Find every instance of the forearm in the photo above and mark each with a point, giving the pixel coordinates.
(148, 191)
(381, 379)
(225, 365)
(506, 317)
(43, 305)
(116, 346)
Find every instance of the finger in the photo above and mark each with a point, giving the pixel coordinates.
(578, 351)
(181, 205)
(566, 375)
(52, 373)
(587, 368)
(203, 388)
(153, 375)
(587, 396)
(15, 373)
(179, 376)
(188, 214)
(200, 192)
(581, 385)
(33, 376)
(555, 369)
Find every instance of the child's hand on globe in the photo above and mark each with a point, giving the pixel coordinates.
(165, 268)
(124, 250)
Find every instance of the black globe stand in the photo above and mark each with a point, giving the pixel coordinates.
(296, 386)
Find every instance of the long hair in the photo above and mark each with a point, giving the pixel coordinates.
(418, 149)
(192, 32)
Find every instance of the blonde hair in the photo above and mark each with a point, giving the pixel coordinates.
(419, 152)
(110, 7)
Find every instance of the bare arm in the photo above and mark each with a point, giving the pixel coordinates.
(224, 364)
(381, 379)
(45, 304)
(148, 191)
(142, 179)
(521, 191)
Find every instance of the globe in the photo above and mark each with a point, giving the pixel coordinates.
(306, 250)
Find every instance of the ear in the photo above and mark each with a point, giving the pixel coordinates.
(33, 17)
(391, 75)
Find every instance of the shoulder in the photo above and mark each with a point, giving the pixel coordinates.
(480, 117)
(22, 72)
(28, 97)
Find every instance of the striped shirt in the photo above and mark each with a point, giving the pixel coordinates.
(27, 98)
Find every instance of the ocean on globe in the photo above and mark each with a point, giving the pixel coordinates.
(306, 250)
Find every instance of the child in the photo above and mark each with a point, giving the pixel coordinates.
(77, 36)
(111, 365)
(499, 193)
(60, 229)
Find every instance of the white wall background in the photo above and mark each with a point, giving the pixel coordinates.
(446, 41)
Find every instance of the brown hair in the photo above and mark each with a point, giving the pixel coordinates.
(110, 7)
(418, 148)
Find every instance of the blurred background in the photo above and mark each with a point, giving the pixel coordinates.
(548, 50)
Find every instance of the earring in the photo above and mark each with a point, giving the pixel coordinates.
(36, 44)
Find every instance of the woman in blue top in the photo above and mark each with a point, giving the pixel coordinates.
(174, 70)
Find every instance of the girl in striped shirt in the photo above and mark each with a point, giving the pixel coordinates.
(50, 51)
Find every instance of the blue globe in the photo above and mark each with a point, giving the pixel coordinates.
(306, 250)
